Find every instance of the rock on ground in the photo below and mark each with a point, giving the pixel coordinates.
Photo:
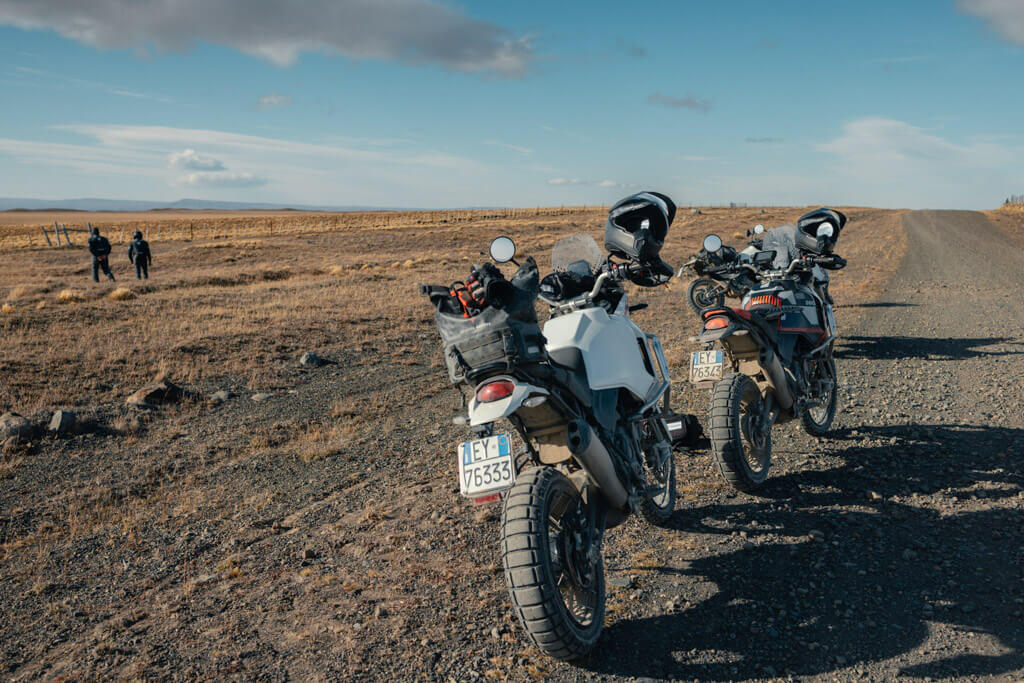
(14, 426)
(154, 394)
(62, 422)
(311, 359)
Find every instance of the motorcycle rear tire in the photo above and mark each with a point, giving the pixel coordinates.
(731, 398)
(704, 293)
(529, 560)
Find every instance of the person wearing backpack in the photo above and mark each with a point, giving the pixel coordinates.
(99, 247)
(139, 254)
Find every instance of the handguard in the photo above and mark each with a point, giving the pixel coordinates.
(651, 274)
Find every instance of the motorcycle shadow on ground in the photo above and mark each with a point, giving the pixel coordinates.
(877, 304)
(930, 348)
(888, 571)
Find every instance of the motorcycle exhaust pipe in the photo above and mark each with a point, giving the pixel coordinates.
(773, 368)
(591, 454)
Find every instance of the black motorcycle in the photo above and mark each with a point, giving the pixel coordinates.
(770, 360)
(722, 272)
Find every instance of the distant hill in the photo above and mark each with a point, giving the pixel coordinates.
(93, 204)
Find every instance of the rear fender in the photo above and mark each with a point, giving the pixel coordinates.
(739, 327)
(483, 413)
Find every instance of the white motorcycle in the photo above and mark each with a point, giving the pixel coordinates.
(588, 401)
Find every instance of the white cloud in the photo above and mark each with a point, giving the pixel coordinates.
(1005, 17)
(688, 102)
(161, 137)
(412, 31)
(136, 160)
(220, 179)
(51, 79)
(271, 100)
(590, 183)
(85, 158)
(899, 164)
(505, 145)
(194, 161)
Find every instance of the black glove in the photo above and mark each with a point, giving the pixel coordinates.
(651, 274)
(488, 286)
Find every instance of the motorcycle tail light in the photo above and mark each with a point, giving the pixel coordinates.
(716, 323)
(492, 391)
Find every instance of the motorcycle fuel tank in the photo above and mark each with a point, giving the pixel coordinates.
(610, 346)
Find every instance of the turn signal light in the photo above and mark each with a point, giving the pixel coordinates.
(492, 391)
(716, 323)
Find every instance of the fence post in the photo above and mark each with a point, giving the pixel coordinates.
(67, 237)
(47, 236)
(56, 232)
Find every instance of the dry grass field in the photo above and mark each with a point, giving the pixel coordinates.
(21, 229)
(1010, 218)
(238, 306)
(311, 533)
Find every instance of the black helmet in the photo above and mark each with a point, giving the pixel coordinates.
(809, 226)
(137, 235)
(637, 226)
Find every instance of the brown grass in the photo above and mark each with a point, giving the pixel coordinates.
(121, 294)
(70, 296)
(1010, 218)
(7, 308)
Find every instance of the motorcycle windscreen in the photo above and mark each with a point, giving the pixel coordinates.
(576, 253)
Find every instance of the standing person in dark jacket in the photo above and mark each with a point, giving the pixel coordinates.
(139, 254)
(99, 247)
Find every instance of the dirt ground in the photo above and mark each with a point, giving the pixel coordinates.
(319, 533)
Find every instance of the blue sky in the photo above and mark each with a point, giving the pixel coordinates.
(427, 104)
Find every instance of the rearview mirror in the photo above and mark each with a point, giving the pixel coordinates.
(758, 229)
(712, 243)
(503, 249)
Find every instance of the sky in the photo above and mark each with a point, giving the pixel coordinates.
(429, 103)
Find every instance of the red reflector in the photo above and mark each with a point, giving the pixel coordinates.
(492, 391)
(716, 323)
(493, 498)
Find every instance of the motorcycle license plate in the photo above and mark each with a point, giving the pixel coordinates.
(707, 365)
(485, 466)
